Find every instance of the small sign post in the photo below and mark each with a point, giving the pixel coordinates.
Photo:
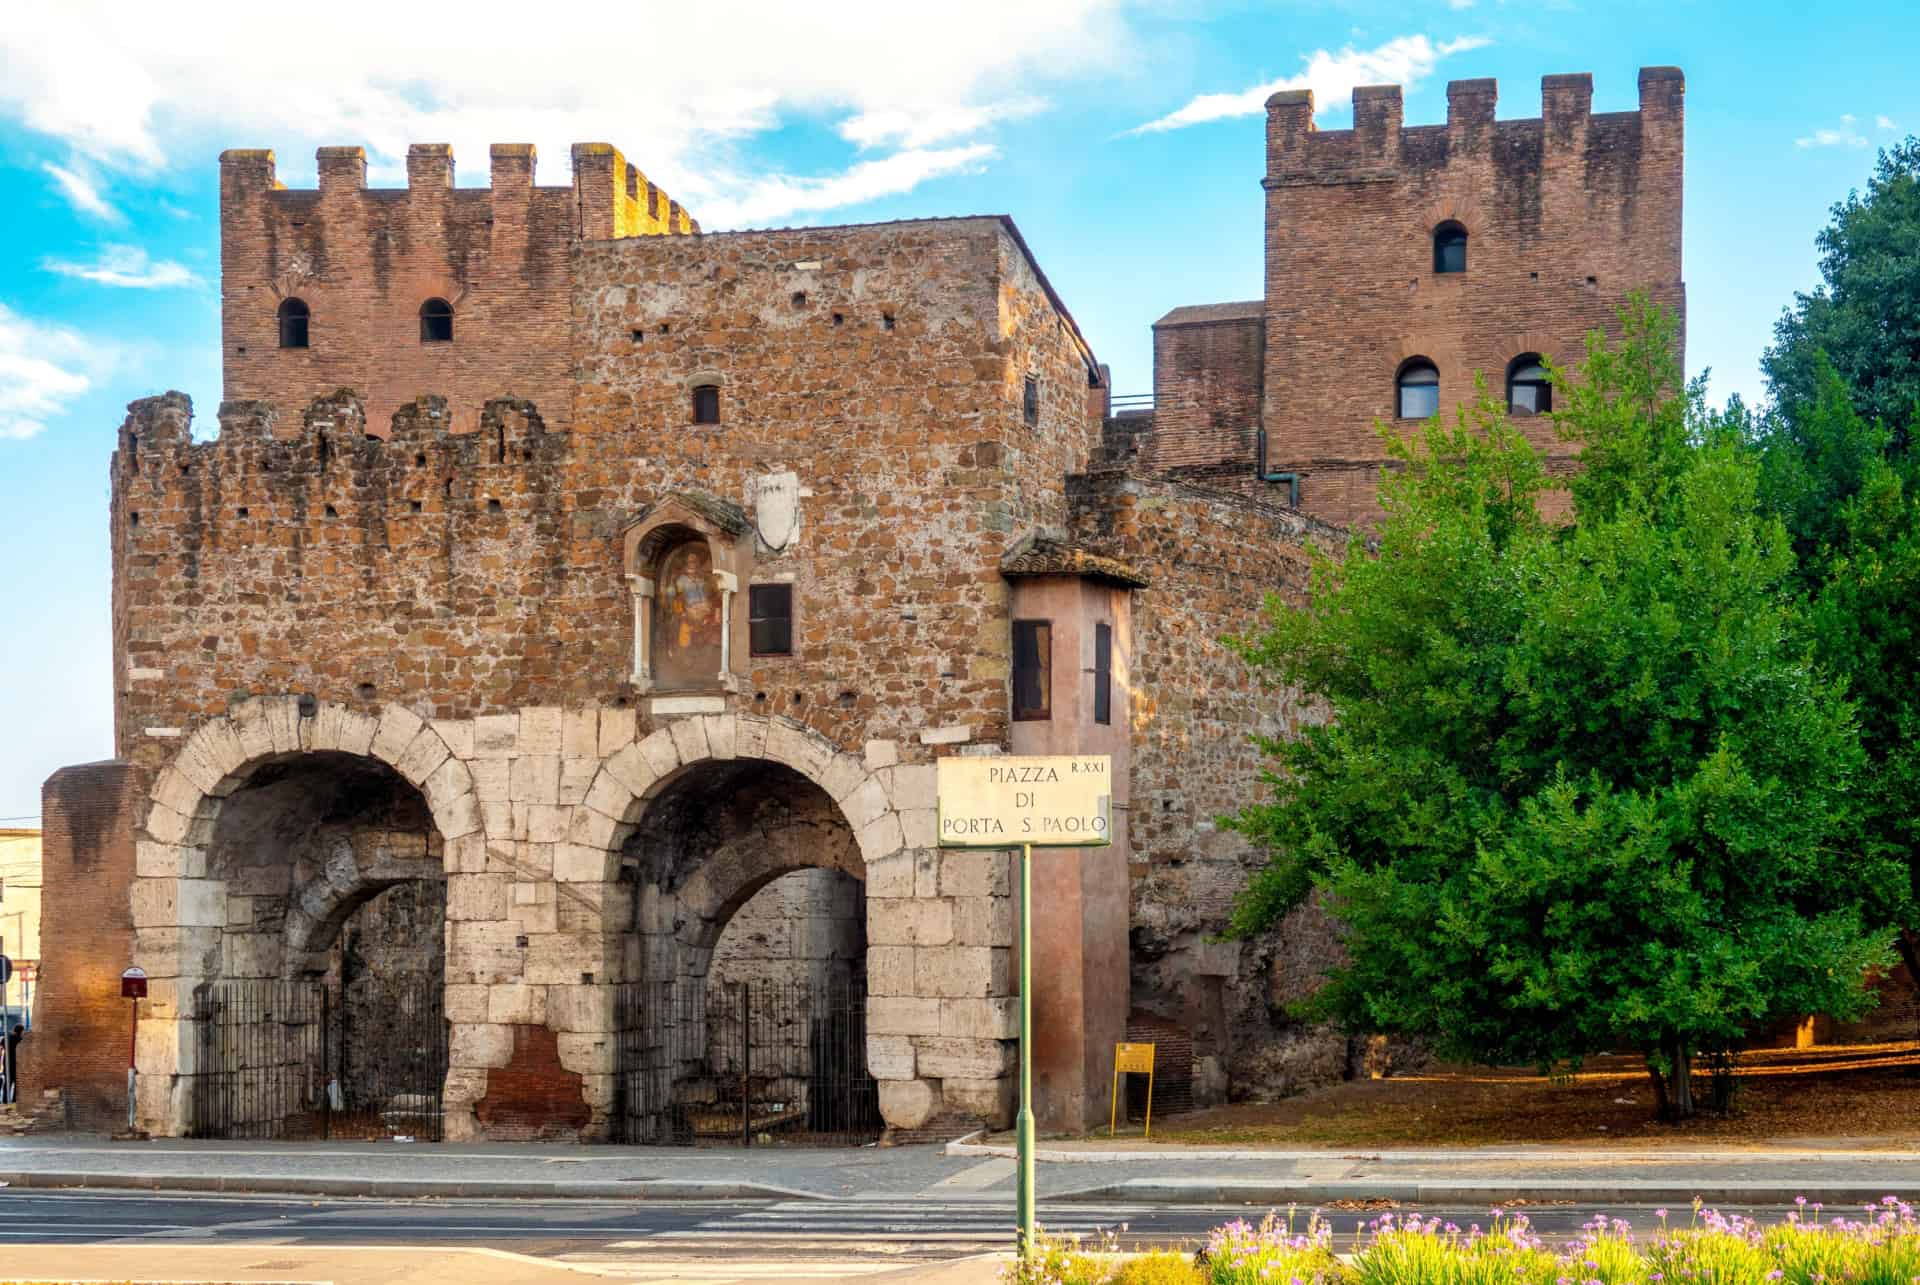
(1131, 1059)
(133, 986)
(1002, 801)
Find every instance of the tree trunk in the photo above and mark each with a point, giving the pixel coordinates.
(1660, 1104)
(1907, 942)
(1681, 1099)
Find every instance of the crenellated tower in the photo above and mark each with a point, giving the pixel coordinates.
(427, 289)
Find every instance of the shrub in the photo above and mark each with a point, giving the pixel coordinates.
(1161, 1267)
(1241, 1253)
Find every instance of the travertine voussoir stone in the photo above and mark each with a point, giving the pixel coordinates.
(398, 726)
(659, 752)
(689, 739)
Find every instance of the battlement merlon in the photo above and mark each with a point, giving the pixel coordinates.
(611, 197)
(1298, 151)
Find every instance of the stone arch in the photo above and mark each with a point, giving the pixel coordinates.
(179, 907)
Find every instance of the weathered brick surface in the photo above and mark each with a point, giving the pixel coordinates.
(1566, 213)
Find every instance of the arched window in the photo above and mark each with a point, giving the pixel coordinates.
(706, 403)
(1529, 391)
(1449, 248)
(293, 323)
(436, 322)
(1418, 389)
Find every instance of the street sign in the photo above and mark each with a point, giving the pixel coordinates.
(133, 984)
(1131, 1059)
(1003, 801)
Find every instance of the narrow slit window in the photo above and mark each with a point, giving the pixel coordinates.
(436, 322)
(706, 404)
(1103, 673)
(294, 319)
(1032, 670)
(1418, 390)
(1030, 402)
(770, 619)
(1529, 391)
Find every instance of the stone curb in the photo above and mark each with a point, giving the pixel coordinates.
(407, 1188)
(969, 1146)
(1155, 1191)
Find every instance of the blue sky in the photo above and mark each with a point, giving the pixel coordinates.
(111, 117)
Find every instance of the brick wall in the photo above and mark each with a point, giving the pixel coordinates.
(81, 1024)
(1208, 367)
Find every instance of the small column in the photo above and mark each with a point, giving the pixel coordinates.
(642, 589)
(729, 585)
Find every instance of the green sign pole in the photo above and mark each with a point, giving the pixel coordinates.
(1024, 1201)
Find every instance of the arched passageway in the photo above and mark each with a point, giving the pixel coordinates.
(320, 1012)
(744, 1015)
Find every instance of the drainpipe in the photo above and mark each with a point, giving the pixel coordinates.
(1291, 479)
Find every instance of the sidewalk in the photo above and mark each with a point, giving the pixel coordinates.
(1837, 1171)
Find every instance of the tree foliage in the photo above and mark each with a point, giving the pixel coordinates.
(1581, 786)
(1864, 319)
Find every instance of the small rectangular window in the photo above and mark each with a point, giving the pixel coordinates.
(770, 619)
(1032, 670)
(1103, 673)
(706, 404)
(1030, 402)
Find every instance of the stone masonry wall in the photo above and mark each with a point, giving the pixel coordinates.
(1566, 214)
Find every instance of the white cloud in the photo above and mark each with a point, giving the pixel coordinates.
(1404, 61)
(42, 369)
(1459, 5)
(1885, 122)
(128, 267)
(1848, 135)
(765, 199)
(81, 191)
(680, 88)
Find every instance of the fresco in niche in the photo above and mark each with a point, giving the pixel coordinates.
(686, 618)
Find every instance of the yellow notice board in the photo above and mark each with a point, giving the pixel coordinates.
(1005, 801)
(1131, 1059)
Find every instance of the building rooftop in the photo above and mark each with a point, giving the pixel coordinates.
(1202, 313)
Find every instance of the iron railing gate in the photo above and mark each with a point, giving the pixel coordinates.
(310, 1059)
(743, 1064)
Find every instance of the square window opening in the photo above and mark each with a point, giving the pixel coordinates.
(770, 619)
(1032, 670)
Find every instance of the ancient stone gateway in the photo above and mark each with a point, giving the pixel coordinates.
(577, 858)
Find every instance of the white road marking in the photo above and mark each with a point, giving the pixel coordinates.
(974, 1177)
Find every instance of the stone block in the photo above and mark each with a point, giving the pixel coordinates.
(968, 1059)
(477, 896)
(657, 750)
(586, 1009)
(457, 733)
(865, 805)
(983, 921)
(903, 1015)
(576, 778)
(546, 822)
(199, 903)
(480, 1044)
(690, 739)
(890, 970)
(357, 731)
(156, 860)
(926, 872)
(175, 791)
(912, 787)
(580, 732)
(721, 735)
(997, 1018)
(517, 1004)
(890, 876)
(991, 1101)
(632, 768)
(398, 726)
(459, 816)
(540, 730)
(592, 829)
(560, 958)
(466, 854)
(580, 863)
(239, 912)
(785, 744)
(467, 1003)
(919, 828)
(907, 1104)
(909, 922)
(535, 778)
(617, 727)
(284, 723)
(953, 734)
(881, 838)
(608, 796)
(960, 972)
(749, 737)
(449, 781)
(167, 826)
(843, 776)
(967, 873)
(890, 1057)
(496, 736)
(587, 1054)
(881, 754)
(491, 779)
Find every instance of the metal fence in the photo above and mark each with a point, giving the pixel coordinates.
(744, 1064)
(311, 1059)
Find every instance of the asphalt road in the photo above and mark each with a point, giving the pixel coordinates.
(593, 1230)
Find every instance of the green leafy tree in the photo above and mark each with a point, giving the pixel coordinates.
(1864, 318)
(1580, 788)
